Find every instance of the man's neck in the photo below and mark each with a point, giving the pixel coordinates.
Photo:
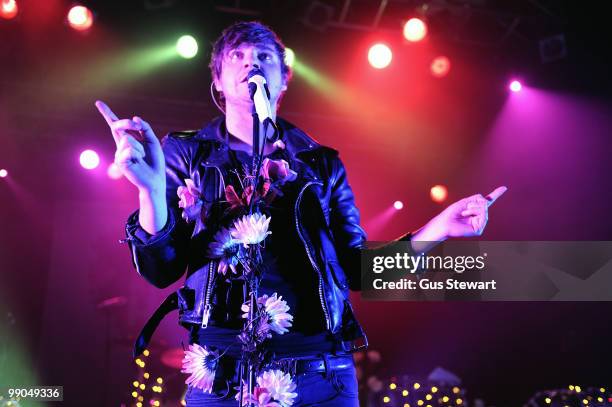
(239, 123)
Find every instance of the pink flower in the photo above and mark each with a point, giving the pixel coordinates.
(188, 195)
(236, 201)
(231, 196)
(279, 144)
(272, 171)
(277, 171)
(260, 398)
(189, 200)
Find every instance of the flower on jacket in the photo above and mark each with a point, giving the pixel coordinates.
(189, 200)
(251, 229)
(201, 364)
(235, 201)
(225, 248)
(275, 315)
(277, 171)
(278, 144)
(274, 389)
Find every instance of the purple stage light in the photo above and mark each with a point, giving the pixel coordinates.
(515, 86)
(114, 172)
(89, 159)
(3, 173)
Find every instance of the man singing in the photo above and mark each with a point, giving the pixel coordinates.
(206, 206)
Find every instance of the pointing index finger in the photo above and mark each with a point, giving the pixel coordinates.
(492, 197)
(106, 112)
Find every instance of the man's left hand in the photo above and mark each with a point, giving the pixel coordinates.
(468, 217)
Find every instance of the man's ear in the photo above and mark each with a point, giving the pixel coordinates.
(217, 85)
(284, 87)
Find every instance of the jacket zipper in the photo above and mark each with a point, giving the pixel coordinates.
(307, 247)
(208, 290)
(211, 270)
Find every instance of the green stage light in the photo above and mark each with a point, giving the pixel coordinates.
(289, 56)
(187, 46)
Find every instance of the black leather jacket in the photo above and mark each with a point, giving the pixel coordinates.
(326, 220)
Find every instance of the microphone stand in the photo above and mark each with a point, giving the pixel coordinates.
(253, 285)
(253, 281)
(249, 369)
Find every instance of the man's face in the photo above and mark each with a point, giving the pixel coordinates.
(236, 64)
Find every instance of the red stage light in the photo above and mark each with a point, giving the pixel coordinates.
(415, 30)
(438, 193)
(80, 18)
(8, 9)
(440, 66)
(380, 56)
(398, 205)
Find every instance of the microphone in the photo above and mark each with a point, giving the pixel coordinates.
(260, 94)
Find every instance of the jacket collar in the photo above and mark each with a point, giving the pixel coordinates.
(296, 141)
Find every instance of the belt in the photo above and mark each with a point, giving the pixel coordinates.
(320, 364)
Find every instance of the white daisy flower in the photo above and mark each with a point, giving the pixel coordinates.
(279, 385)
(274, 389)
(251, 229)
(201, 364)
(276, 311)
(225, 248)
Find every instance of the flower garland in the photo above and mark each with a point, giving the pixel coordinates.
(237, 248)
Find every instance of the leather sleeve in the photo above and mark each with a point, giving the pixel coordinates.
(349, 236)
(162, 258)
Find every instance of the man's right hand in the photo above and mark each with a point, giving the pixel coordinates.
(139, 154)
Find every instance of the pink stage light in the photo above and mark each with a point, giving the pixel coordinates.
(8, 9)
(3, 173)
(438, 193)
(415, 30)
(515, 86)
(114, 172)
(89, 159)
(80, 18)
(398, 205)
(440, 66)
(380, 56)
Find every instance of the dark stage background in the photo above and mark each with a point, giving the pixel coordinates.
(400, 131)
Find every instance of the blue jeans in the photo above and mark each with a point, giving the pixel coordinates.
(336, 389)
